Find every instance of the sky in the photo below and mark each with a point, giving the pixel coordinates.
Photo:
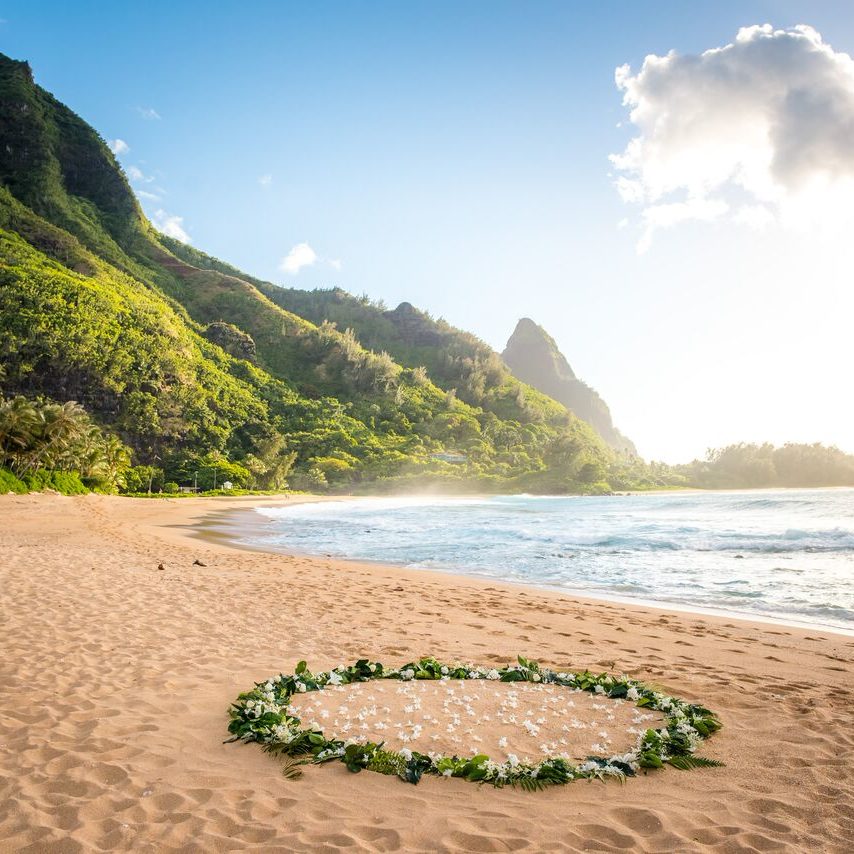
(680, 224)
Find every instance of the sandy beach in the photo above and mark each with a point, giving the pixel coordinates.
(115, 680)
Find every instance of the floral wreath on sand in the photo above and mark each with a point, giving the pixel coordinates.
(262, 715)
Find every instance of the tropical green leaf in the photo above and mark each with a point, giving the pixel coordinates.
(687, 763)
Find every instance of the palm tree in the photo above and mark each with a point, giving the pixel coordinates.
(59, 436)
(116, 457)
(19, 426)
(62, 425)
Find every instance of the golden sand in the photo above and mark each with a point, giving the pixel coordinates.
(115, 678)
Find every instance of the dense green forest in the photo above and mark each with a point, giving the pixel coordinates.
(746, 466)
(453, 359)
(193, 366)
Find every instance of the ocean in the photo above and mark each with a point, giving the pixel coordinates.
(785, 555)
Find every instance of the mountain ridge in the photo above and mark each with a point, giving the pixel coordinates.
(533, 356)
(155, 337)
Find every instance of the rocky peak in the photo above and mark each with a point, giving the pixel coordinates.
(534, 357)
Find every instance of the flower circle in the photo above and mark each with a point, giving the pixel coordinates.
(263, 715)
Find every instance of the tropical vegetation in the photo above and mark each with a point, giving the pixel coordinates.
(46, 445)
(188, 372)
(200, 373)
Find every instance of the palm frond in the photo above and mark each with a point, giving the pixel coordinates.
(292, 767)
(686, 763)
(529, 784)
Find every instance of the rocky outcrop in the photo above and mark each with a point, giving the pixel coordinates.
(533, 356)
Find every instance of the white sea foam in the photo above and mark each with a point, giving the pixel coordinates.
(787, 554)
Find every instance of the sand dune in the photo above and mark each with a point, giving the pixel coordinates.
(115, 678)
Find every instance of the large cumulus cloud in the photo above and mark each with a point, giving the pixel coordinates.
(758, 130)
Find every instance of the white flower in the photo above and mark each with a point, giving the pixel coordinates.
(536, 677)
(448, 772)
(502, 742)
(632, 693)
(407, 674)
(301, 687)
(493, 674)
(444, 670)
(599, 689)
(406, 753)
(335, 678)
(512, 760)
(282, 733)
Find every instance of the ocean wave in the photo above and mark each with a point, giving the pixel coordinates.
(655, 548)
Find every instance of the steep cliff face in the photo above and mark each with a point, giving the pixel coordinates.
(534, 357)
(60, 168)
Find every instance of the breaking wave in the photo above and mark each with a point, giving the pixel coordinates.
(786, 554)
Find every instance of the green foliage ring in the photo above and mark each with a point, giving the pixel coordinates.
(262, 715)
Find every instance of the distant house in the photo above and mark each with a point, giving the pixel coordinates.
(227, 484)
(188, 489)
(450, 457)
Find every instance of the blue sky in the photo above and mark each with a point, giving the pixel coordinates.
(455, 155)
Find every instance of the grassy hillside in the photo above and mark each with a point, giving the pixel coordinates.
(193, 363)
(454, 360)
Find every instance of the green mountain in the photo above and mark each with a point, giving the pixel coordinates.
(194, 364)
(534, 357)
(455, 360)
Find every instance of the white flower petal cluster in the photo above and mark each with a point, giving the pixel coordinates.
(263, 716)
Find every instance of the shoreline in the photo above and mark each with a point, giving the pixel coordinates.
(118, 675)
(223, 527)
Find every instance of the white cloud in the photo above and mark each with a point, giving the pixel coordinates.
(661, 216)
(151, 197)
(301, 255)
(148, 113)
(335, 263)
(755, 131)
(757, 217)
(118, 146)
(136, 174)
(170, 225)
(265, 180)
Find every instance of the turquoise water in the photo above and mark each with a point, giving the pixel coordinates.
(784, 554)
